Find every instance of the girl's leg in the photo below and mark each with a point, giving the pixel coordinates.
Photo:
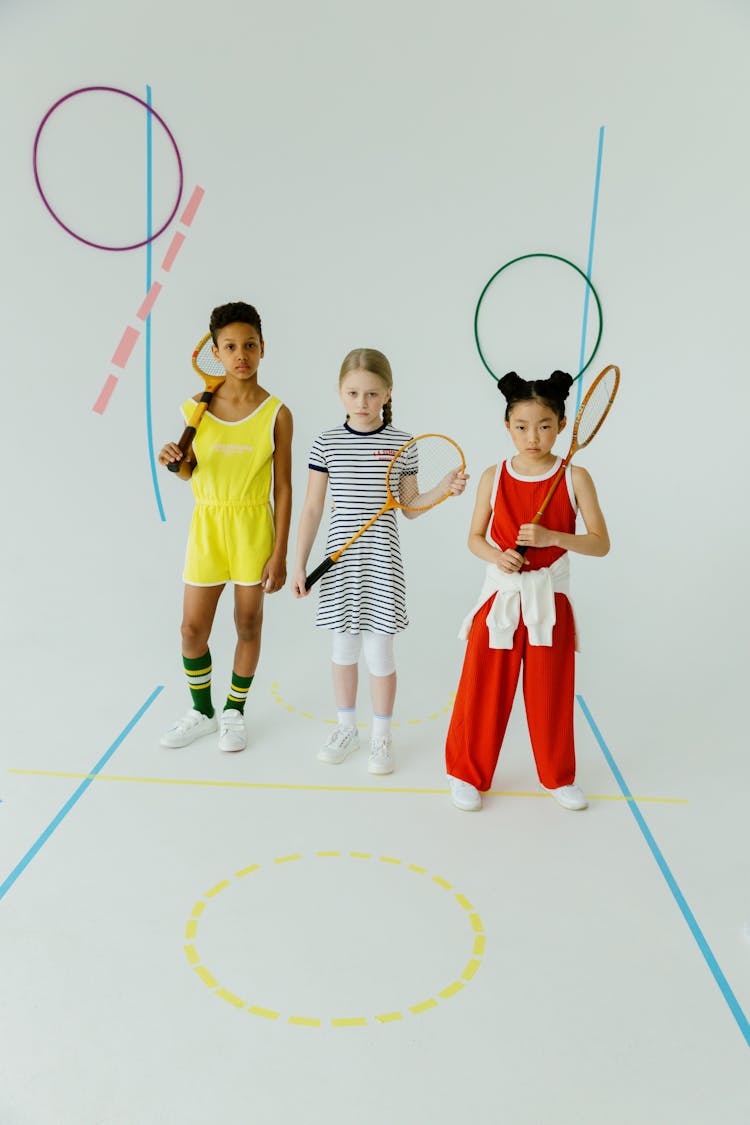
(345, 669)
(198, 612)
(248, 620)
(199, 609)
(483, 704)
(548, 688)
(378, 649)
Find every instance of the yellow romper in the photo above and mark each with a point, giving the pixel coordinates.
(232, 532)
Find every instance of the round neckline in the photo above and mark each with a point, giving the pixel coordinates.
(239, 421)
(524, 476)
(364, 433)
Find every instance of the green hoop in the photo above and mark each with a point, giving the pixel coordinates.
(522, 258)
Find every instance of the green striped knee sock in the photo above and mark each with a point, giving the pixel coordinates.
(198, 672)
(238, 693)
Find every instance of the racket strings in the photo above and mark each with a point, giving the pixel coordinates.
(418, 477)
(205, 362)
(595, 408)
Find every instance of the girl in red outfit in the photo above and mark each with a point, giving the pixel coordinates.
(523, 614)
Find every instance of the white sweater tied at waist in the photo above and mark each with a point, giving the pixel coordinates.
(531, 593)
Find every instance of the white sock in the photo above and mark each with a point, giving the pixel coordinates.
(381, 726)
(347, 717)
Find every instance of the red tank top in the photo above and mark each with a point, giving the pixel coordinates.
(518, 499)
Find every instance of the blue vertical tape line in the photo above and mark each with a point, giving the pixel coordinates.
(149, 244)
(679, 898)
(24, 863)
(590, 264)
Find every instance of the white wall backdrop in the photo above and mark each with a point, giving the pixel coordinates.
(366, 169)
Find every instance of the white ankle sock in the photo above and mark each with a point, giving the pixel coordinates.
(347, 716)
(381, 726)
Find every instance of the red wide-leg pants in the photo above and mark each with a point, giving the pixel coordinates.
(485, 698)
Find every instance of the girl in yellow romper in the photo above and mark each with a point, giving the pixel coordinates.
(240, 453)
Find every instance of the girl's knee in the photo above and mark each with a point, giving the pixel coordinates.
(378, 648)
(193, 633)
(249, 625)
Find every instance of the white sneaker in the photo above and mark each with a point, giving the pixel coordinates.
(465, 796)
(570, 797)
(343, 742)
(233, 734)
(191, 726)
(381, 756)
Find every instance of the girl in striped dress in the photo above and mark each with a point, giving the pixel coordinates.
(362, 597)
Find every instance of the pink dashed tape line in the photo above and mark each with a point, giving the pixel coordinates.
(131, 335)
(172, 252)
(125, 347)
(149, 301)
(105, 395)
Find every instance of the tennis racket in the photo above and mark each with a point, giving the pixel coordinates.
(435, 458)
(593, 410)
(213, 375)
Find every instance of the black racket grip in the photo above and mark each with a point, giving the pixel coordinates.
(184, 444)
(319, 571)
(520, 550)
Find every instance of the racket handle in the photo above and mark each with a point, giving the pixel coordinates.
(319, 571)
(184, 444)
(520, 550)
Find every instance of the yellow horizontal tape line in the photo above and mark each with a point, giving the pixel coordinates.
(287, 858)
(304, 1021)
(210, 783)
(389, 859)
(247, 870)
(462, 900)
(389, 1017)
(452, 989)
(264, 1013)
(442, 883)
(355, 1021)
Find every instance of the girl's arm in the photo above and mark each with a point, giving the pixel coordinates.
(596, 539)
(274, 572)
(507, 561)
(309, 522)
(454, 482)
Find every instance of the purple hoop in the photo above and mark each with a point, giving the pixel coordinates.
(165, 127)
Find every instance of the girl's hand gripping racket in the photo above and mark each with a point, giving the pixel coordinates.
(436, 458)
(593, 410)
(213, 375)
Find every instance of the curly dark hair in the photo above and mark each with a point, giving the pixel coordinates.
(552, 392)
(236, 312)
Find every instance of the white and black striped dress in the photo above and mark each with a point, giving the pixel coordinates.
(365, 589)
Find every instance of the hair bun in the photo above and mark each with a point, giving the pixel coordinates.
(561, 382)
(512, 386)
